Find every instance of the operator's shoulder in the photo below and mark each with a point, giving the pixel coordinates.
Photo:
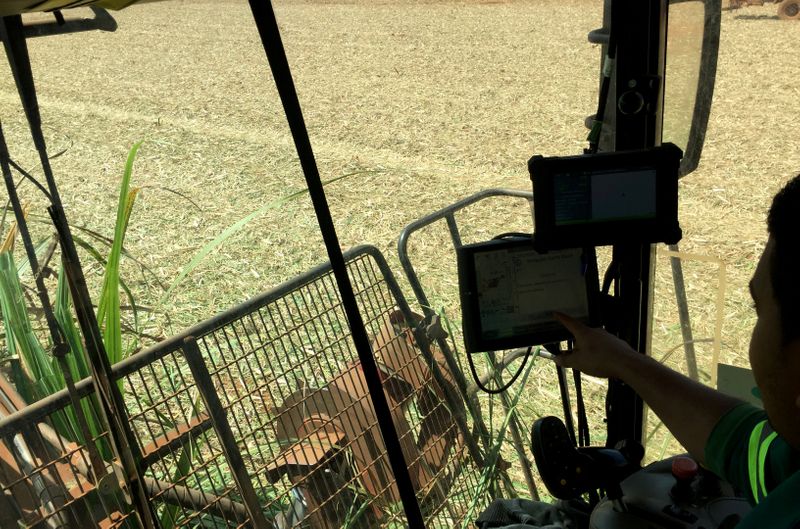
(735, 423)
(742, 415)
(726, 446)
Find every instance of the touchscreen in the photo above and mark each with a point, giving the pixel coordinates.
(519, 289)
(602, 196)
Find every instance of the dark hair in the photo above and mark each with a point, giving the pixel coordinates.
(783, 224)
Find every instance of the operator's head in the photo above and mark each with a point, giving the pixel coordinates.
(775, 287)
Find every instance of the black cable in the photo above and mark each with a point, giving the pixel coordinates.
(497, 391)
(25, 174)
(609, 276)
(583, 422)
(513, 235)
(565, 403)
(555, 348)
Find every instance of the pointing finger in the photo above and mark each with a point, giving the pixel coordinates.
(572, 325)
(563, 360)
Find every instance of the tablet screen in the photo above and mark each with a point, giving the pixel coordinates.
(602, 196)
(510, 292)
(607, 198)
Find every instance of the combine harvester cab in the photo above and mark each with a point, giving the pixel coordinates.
(327, 402)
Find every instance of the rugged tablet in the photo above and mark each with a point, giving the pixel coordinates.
(606, 198)
(509, 293)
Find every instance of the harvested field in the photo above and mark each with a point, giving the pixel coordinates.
(422, 103)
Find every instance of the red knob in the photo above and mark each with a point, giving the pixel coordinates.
(684, 468)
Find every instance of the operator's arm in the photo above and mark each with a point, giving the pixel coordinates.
(689, 409)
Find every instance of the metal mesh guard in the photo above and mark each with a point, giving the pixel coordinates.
(294, 399)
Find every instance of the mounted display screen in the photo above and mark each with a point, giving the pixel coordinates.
(509, 293)
(606, 198)
(587, 197)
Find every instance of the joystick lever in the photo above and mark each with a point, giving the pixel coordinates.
(568, 471)
(684, 469)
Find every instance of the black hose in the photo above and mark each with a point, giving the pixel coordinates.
(505, 387)
(583, 422)
(565, 403)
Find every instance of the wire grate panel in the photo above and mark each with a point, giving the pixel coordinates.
(46, 477)
(261, 416)
(187, 472)
(288, 375)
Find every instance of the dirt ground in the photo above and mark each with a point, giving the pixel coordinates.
(425, 102)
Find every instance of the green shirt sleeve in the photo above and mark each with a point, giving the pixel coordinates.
(726, 454)
(726, 451)
(726, 448)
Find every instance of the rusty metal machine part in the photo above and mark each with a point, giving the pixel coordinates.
(329, 434)
(787, 9)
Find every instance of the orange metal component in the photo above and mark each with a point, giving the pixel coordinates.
(317, 426)
(787, 9)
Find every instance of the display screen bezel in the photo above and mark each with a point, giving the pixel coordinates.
(662, 227)
(475, 339)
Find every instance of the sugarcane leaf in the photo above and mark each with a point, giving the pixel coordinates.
(183, 466)
(39, 249)
(76, 358)
(8, 243)
(17, 322)
(231, 230)
(108, 312)
(22, 382)
(95, 254)
(91, 234)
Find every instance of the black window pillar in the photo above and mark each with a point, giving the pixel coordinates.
(635, 106)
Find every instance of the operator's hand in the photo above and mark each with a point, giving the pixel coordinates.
(596, 352)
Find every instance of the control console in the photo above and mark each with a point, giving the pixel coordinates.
(675, 493)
